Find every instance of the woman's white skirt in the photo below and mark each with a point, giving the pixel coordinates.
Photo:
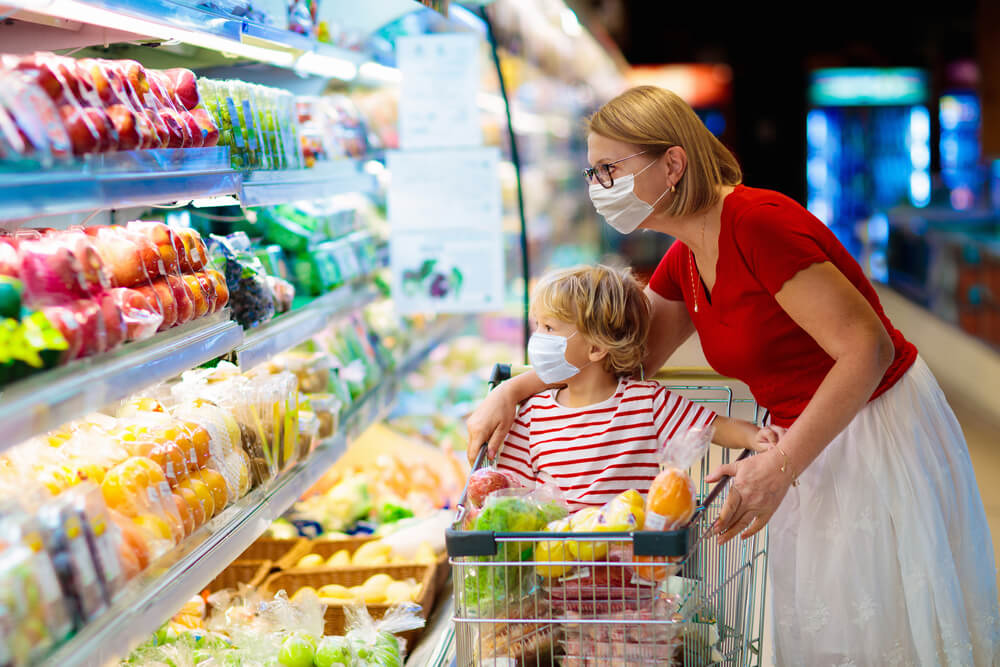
(882, 555)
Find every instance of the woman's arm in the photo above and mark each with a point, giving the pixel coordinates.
(493, 418)
(669, 326)
(831, 310)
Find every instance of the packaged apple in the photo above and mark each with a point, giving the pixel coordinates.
(33, 127)
(171, 288)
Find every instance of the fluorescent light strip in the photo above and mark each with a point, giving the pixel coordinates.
(92, 15)
(374, 72)
(326, 66)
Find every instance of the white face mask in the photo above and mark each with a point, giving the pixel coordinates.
(619, 204)
(547, 354)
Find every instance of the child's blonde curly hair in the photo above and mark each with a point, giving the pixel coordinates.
(607, 306)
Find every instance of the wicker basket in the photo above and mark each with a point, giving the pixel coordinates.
(280, 552)
(327, 548)
(250, 572)
(292, 580)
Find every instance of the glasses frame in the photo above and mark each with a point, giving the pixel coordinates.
(591, 173)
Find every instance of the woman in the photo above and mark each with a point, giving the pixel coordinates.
(880, 552)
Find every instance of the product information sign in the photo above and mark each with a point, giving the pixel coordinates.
(446, 246)
(437, 95)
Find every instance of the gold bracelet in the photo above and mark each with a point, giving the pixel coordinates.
(786, 464)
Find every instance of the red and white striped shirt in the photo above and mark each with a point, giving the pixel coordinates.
(595, 452)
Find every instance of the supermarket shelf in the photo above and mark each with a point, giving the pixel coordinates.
(267, 188)
(162, 176)
(290, 329)
(168, 583)
(118, 180)
(50, 399)
(59, 24)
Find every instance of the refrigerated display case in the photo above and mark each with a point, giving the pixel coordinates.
(868, 137)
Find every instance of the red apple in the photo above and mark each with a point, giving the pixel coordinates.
(208, 127)
(124, 121)
(183, 298)
(194, 129)
(93, 277)
(208, 288)
(168, 244)
(50, 272)
(195, 255)
(483, 482)
(45, 75)
(142, 317)
(10, 265)
(199, 297)
(161, 297)
(115, 329)
(135, 74)
(185, 87)
(64, 319)
(162, 134)
(83, 134)
(106, 132)
(179, 134)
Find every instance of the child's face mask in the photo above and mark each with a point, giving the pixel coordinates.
(547, 354)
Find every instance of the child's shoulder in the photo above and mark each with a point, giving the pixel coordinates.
(633, 387)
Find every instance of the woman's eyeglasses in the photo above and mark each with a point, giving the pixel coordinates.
(602, 172)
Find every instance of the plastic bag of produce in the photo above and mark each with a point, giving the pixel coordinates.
(375, 642)
(31, 125)
(250, 298)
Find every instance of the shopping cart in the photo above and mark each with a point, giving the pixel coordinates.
(609, 599)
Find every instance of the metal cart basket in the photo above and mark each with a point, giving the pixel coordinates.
(612, 598)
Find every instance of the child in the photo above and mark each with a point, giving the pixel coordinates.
(600, 432)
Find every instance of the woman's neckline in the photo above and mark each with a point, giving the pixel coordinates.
(718, 251)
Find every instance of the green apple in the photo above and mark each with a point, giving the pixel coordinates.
(298, 650)
(333, 651)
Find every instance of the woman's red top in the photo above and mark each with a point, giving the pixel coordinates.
(765, 239)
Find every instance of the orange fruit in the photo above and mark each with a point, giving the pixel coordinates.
(670, 502)
(653, 572)
(154, 526)
(195, 506)
(201, 442)
(184, 512)
(217, 484)
(204, 494)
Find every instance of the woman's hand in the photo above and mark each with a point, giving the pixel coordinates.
(756, 490)
(764, 439)
(490, 422)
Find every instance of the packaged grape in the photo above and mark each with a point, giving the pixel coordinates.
(250, 299)
(67, 543)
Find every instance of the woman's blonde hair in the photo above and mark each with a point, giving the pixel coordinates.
(606, 305)
(656, 119)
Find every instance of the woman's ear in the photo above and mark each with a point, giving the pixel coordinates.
(676, 164)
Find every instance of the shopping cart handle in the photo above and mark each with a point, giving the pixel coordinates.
(717, 489)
